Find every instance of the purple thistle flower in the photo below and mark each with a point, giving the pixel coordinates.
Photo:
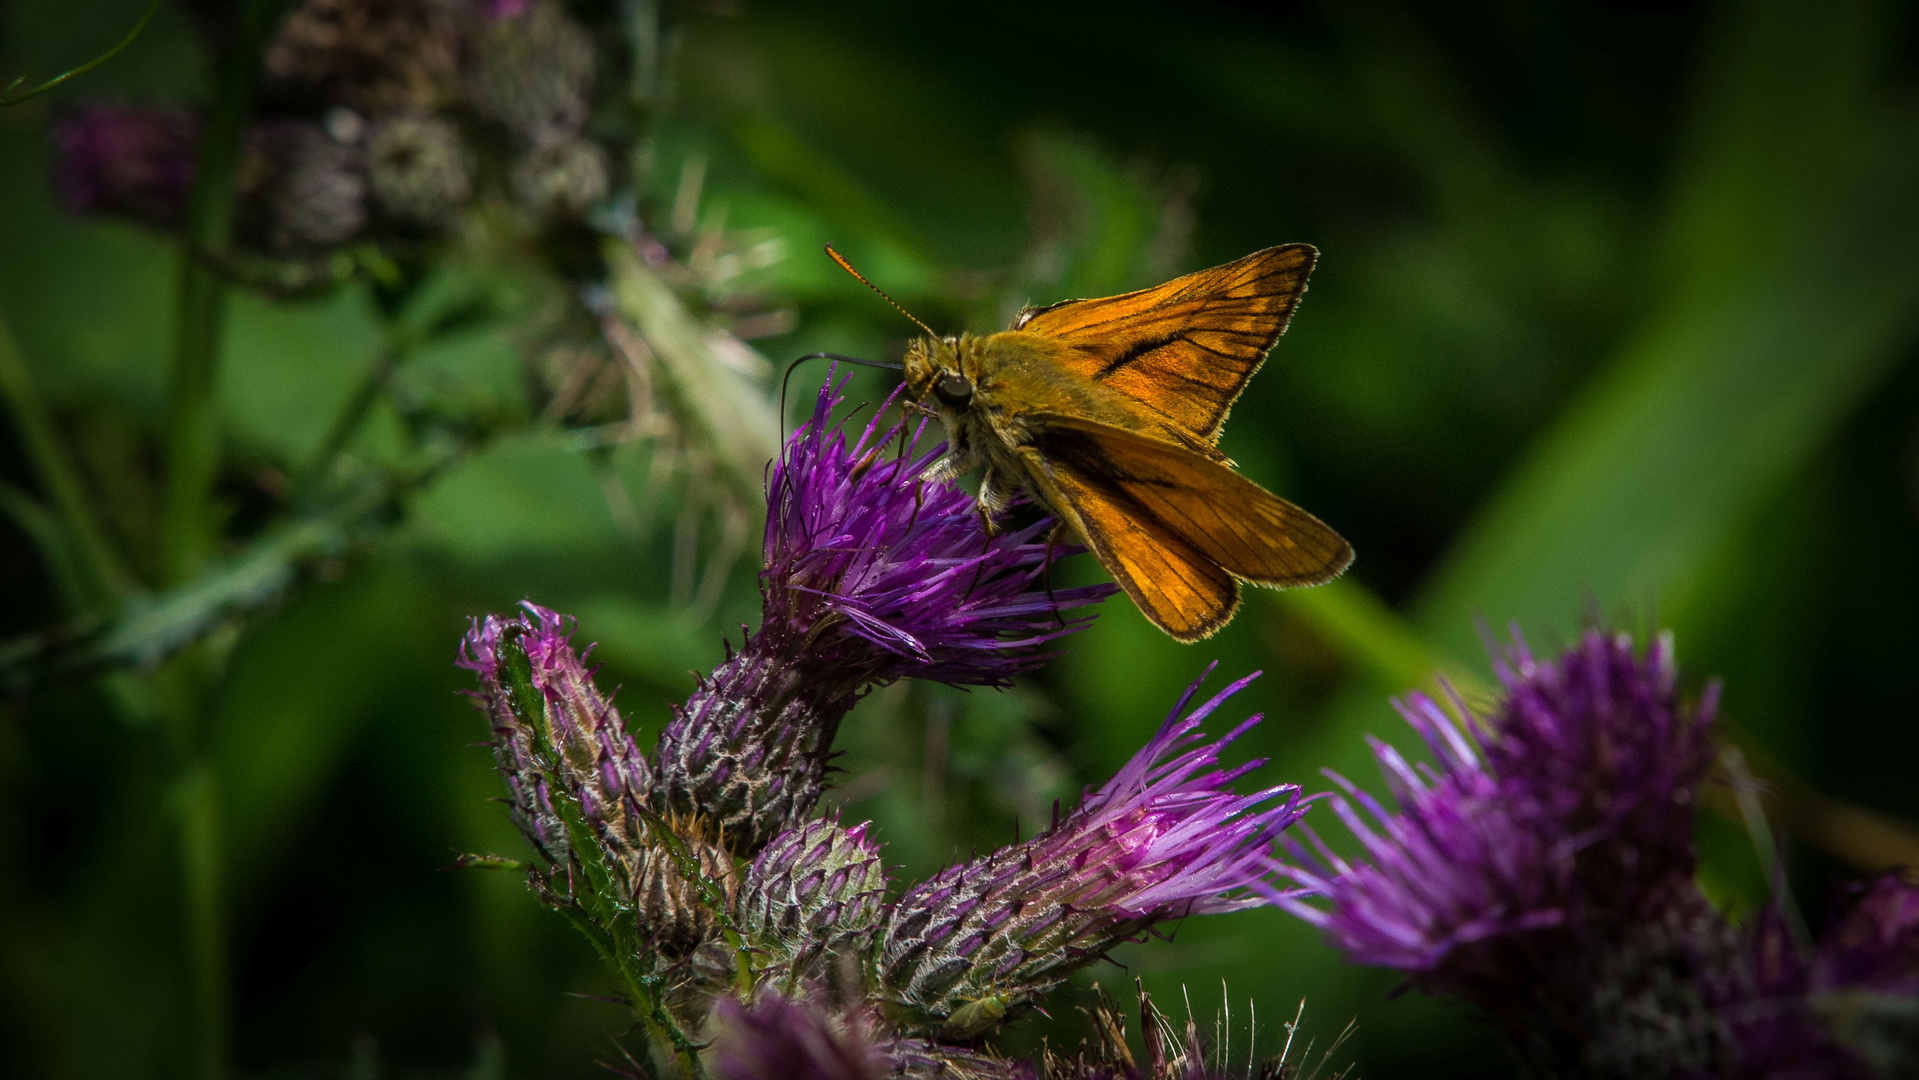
(1573, 803)
(871, 575)
(576, 742)
(561, 746)
(779, 1038)
(1164, 838)
(134, 162)
(1542, 868)
(1846, 1009)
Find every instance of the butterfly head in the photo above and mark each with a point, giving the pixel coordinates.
(933, 370)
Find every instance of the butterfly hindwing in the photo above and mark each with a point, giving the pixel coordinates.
(1224, 517)
(1174, 584)
(1184, 349)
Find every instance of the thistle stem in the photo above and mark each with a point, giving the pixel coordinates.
(189, 526)
(373, 382)
(202, 855)
(192, 414)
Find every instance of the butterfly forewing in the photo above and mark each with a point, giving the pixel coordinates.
(1184, 349)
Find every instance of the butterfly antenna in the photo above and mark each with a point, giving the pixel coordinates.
(848, 267)
(784, 379)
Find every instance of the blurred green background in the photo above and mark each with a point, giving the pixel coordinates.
(1616, 314)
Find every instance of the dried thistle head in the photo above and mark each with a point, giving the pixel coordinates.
(374, 56)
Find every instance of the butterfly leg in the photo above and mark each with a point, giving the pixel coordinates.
(992, 498)
(1052, 535)
(954, 464)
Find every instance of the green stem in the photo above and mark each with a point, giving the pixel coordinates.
(192, 415)
(354, 413)
(201, 862)
(189, 527)
(14, 96)
(104, 577)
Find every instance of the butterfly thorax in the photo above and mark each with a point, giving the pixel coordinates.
(990, 389)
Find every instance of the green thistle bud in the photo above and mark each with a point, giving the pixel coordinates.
(680, 884)
(816, 888)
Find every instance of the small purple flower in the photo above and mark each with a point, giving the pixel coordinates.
(1163, 839)
(871, 575)
(134, 162)
(1542, 867)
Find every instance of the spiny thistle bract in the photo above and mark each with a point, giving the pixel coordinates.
(739, 935)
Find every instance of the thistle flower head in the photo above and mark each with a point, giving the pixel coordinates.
(1572, 803)
(418, 168)
(557, 732)
(1165, 838)
(1542, 867)
(561, 180)
(1599, 746)
(569, 763)
(375, 56)
(871, 574)
(128, 161)
(532, 70)
(781, 1038)
(886, 575)
(303, 190)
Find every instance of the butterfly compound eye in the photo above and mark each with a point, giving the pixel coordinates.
(953, 390)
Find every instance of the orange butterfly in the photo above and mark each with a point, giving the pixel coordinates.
(1107, 412)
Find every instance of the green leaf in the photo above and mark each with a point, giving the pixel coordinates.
(1742, 374)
